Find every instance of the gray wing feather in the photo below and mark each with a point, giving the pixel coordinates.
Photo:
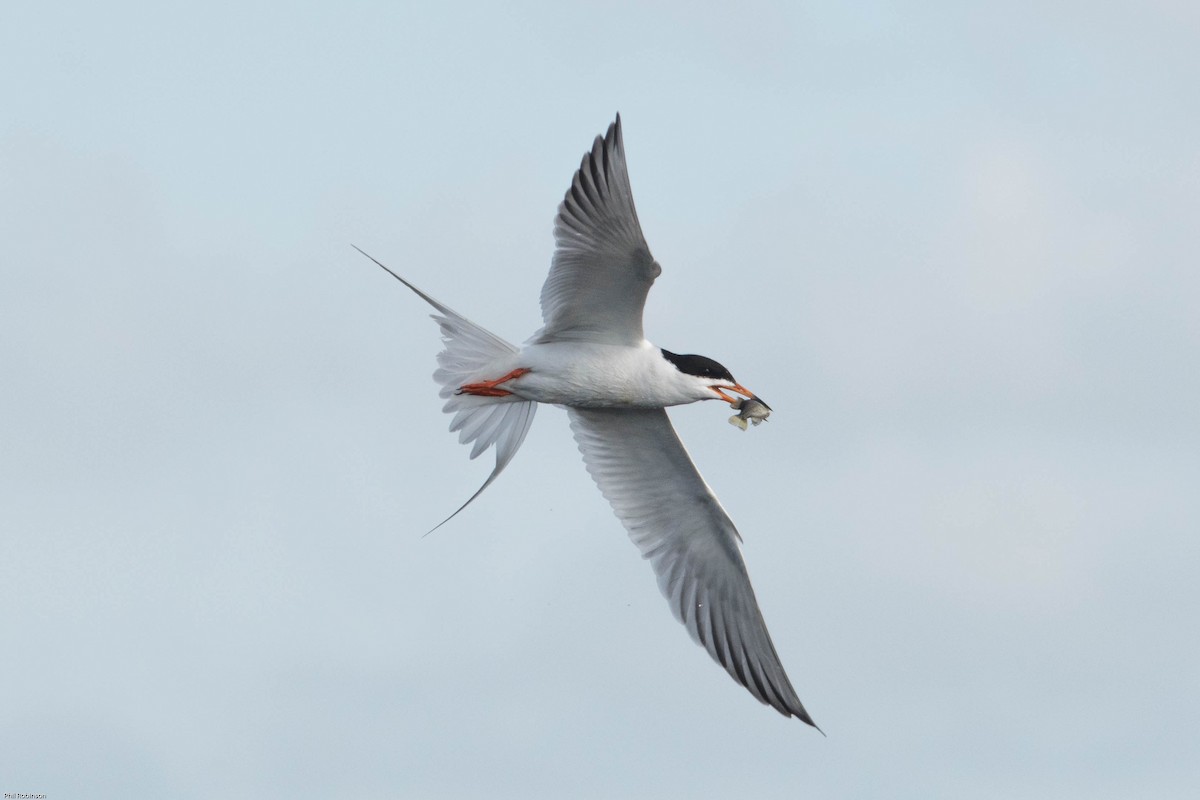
(672, 516)
(602, 268)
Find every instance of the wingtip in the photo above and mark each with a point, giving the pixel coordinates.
(802, 715)
(793, 710)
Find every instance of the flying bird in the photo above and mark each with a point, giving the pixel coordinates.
(591, 357)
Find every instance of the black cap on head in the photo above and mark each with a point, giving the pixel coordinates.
(700, 366)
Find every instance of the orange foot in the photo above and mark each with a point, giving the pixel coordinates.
(488, 388)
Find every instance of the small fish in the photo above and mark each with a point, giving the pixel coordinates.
(749, 410)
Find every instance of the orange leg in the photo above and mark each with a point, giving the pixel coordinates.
(488, 388)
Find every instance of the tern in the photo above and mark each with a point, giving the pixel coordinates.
(591, 357)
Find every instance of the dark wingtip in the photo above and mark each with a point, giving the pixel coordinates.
(801, 714)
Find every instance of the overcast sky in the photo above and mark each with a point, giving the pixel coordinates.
(954, 245)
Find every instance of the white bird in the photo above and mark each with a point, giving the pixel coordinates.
(591, 357)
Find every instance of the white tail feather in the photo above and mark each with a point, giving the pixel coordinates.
(472, 354)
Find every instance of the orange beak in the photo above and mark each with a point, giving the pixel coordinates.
(733, 401)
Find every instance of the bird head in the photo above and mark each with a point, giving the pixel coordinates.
(708, 377)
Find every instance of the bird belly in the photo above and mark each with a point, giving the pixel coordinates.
(587, 375)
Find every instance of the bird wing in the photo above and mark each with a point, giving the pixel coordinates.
(602, 268)
(643, 470)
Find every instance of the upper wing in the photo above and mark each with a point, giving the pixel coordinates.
(673, 517)
(602, 267)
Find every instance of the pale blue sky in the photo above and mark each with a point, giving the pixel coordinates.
(953, 245)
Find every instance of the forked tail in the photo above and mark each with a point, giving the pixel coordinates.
(469, 351)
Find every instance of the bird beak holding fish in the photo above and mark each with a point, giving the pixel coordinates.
(751, 408)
